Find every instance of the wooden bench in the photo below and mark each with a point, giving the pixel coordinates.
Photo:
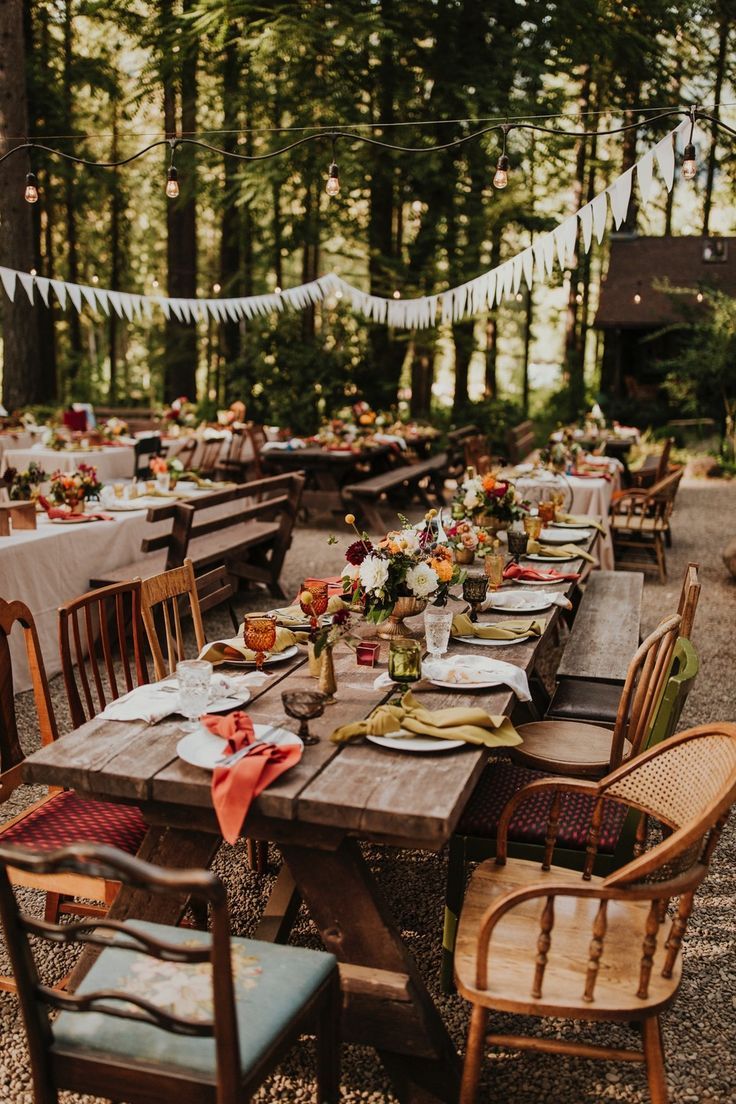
(424, 480)
(604, 636)
(520, 442)
(251, 538)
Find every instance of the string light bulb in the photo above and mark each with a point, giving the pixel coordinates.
(501, 176)
(332, 187)
(689, 162)
(172, 183)
(637, 297)
(31, 192)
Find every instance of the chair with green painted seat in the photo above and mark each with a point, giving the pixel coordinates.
(166, 1013)
(620, 831)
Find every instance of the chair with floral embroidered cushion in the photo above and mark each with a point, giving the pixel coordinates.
(97, 634)
(163, 1013)
(564, 947)
(61, 816)
(591, 750)
(161, 596)
(620, 832)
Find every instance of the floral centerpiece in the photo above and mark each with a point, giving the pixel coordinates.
(560, 456)
(466, 540)
(24, 485)
(181, 412)
(73, 489)
(114, 428)
(162, 467)
(493, 503)
(396, 577)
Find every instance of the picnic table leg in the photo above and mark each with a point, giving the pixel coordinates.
(175, 848)
(385, 1001)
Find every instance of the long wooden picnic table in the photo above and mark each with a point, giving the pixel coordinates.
(327, 470)
(317, 814)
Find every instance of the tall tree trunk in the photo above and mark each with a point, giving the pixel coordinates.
(70, 214)
(230, 228)
(585, 265)
(181, 223)
(491, 379)
(529, 319)
(574, 361)
(724, 28)
(22, 378)
(115, 259)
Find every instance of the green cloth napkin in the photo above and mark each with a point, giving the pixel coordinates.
(294, 615)
(472, 725)
(225, 651)
(581, 519)
(510, 629)
(562, 551)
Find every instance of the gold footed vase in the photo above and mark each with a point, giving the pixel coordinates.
(403, 607)
(327, 684)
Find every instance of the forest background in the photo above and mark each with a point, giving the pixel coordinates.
(109, 76)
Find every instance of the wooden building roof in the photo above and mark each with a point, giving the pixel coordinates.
(628, 298)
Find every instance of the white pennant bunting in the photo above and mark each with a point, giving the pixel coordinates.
(103, 299)
(43, 285)
(75, 294)
(165, 306)
(114, 299)
(27, 283)
(619, 194)
(7, 275)
(664, 151)
(599, 207)
(645, 175)
(527, 262)
(60, 291)
(89, 295)
(585, 214)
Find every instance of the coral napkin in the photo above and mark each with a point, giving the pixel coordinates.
(515, 571)
(234, 786)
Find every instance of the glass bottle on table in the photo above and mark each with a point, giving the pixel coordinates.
(494, 565)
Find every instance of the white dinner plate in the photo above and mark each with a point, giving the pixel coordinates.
(491, 643)
(571, 524)
(541, 582)
(519, 603)
(271, 657)
(548, 559)
(227, 704)
(552, 536)
(202, 748)
(123, 507)
(466, 685)
(415, 743)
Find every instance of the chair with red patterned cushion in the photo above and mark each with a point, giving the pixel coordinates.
(61, 817)
(619, 836)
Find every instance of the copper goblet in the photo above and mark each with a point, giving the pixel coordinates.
(259, 634)
(303, 706)
(475, 588)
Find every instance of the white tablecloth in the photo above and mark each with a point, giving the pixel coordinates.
(13, 439)
(589, 496)
(111, 463)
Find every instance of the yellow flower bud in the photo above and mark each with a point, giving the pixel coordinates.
(350, 519)
(306, 598)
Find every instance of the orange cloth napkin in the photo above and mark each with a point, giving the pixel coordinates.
(234, 787)
(515, 571)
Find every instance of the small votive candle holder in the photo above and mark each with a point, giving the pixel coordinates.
(367, 653)
(475, 588)
(517, 543)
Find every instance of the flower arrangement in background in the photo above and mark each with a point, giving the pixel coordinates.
(172, 467)
(181, 412)
(561, 455)
(75, 488)
(466, 540)
(53, 440)
(114, 428)
(487, 496)
(406, 563)
(24, 485)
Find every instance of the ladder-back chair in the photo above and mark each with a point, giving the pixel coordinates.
(161, 596)
(655, 466)
(61, 816)
(101, 639)
(544, 942)
(640, 525)
(591, 750)
(166, 1013)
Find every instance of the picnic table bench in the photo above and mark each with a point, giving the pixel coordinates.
(424, 479)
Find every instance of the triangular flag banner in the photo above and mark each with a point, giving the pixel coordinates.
(585, 214)
(599, 206)
(27, 282)
(43, 285)
(619, 194)
(115, 300)
(664, 151)
(60, 291)
(89, 295)
(103, 299)
(7, 275)
(645, 176)
(75, 294)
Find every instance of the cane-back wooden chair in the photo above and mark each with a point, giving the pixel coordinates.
(591, 750)
(475, 836)
(165, 1013)
(544, 942)
(101, 640)
(640, 525)
(61, 816)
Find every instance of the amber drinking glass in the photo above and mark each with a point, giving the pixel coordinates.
(494, 565)
(533, 526)
(317, 604)
(259, 634)
(547, 512)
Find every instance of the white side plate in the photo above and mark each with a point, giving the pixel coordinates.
(415, 743)
(202, 748)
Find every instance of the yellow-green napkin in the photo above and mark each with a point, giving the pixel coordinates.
(472, 725)
(510, 629)
(561, 551)
(224, 651)
(294, 615)
(581, 519)
(206, 484)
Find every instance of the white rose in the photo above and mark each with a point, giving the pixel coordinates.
(410, 539)
(422, 580)
(471, 500)
(373, 573)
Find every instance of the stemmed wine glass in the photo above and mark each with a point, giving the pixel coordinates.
(304, 706)
(475, 588)
(313, 599)
(259, 634)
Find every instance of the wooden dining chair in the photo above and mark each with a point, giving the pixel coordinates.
(101, 639)
(165, 1013)
(161, 597)
(655, 467)
(689, 598)
(61, 816)
(208, 458)
(620, 831)
(258, 439)
(144, 449)
(590, 750)
(640, 525)
(546, 943)
(185, 454)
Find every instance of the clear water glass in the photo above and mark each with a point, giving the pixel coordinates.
(437, 625)
(194, 677)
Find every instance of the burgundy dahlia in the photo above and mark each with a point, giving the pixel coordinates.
(358, 551)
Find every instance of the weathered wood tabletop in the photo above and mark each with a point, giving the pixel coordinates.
(315, 813)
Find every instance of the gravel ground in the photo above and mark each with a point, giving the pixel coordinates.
(700, 1030)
